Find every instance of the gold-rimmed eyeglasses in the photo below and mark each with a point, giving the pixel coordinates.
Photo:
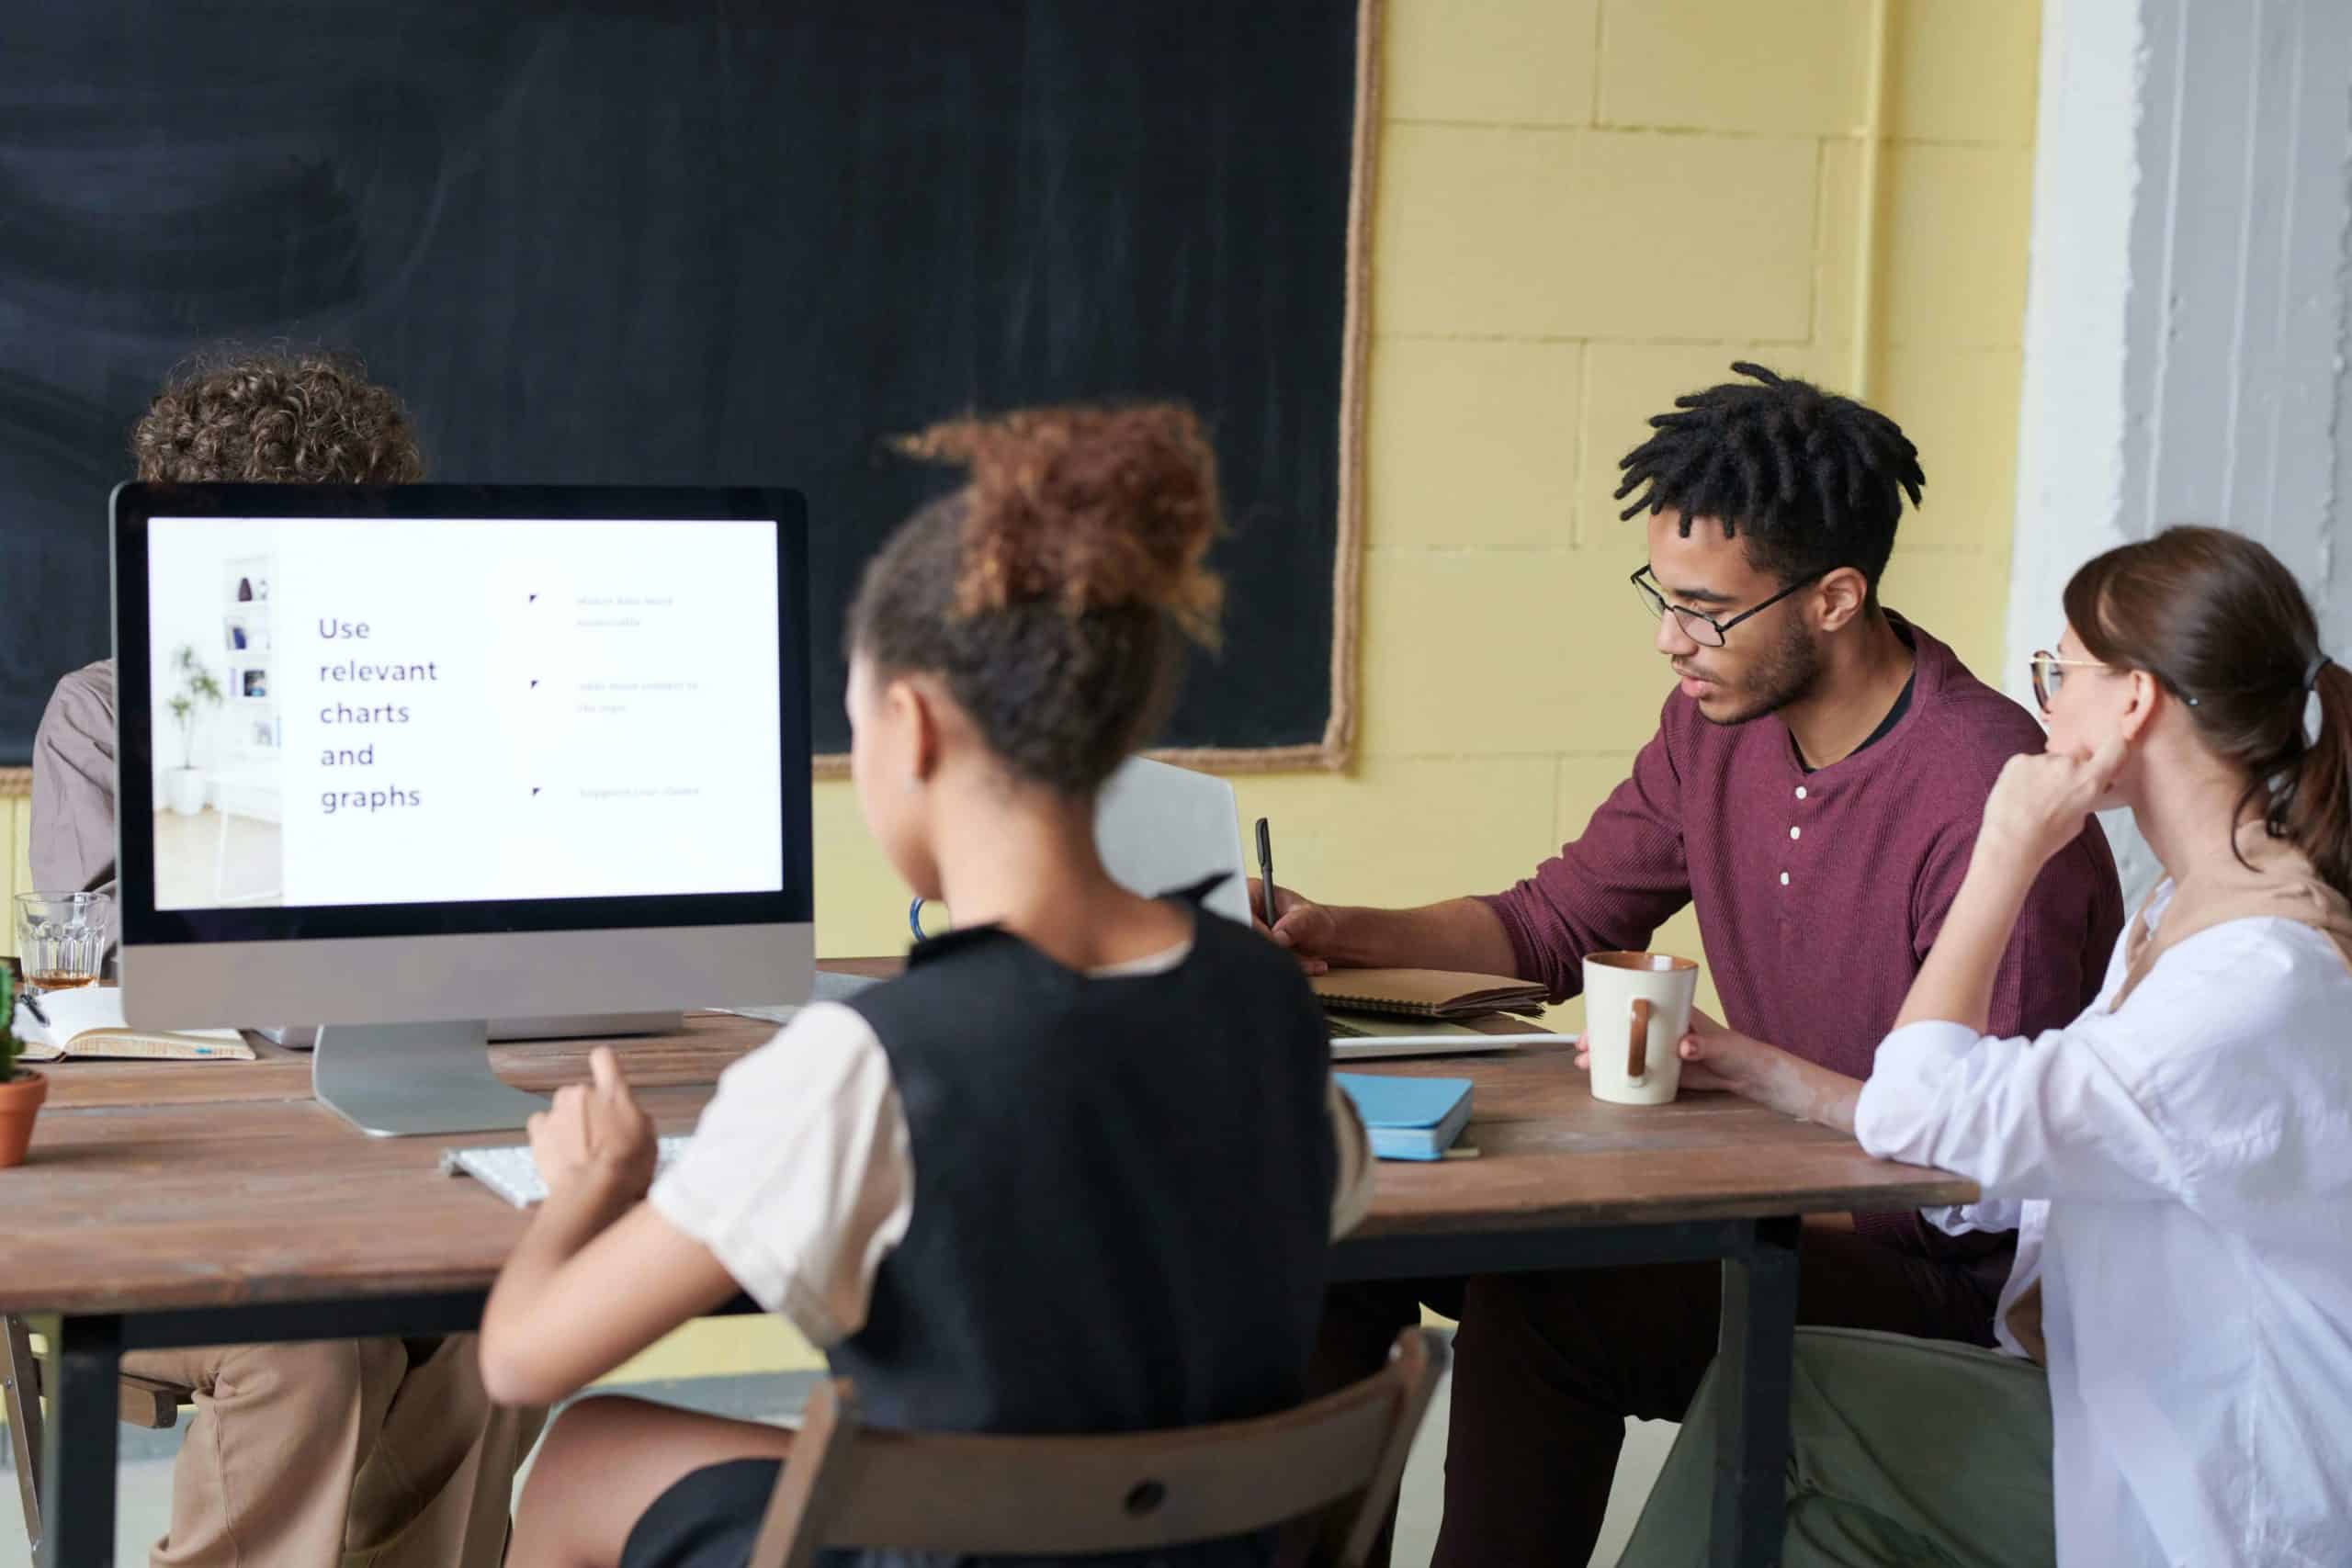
(2050, 674)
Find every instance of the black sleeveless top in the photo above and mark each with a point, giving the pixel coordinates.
(1122, 1192)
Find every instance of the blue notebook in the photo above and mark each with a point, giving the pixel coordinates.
(1408, 1118)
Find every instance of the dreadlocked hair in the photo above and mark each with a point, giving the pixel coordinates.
(1814, 482)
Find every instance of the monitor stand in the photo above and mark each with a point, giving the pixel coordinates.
(392, 1080)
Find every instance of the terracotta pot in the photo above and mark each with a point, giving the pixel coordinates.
(21, 1100)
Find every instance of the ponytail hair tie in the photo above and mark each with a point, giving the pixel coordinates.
(2311, 676)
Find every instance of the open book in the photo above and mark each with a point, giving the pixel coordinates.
(88, 1023)
(1426, 993)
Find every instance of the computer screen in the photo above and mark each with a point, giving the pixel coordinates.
(446, 712)
(406, 762)
(434, 710)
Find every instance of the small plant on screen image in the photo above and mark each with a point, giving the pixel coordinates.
(199, 690)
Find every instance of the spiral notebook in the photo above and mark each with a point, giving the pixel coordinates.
(87, 1024)
(1426, 993)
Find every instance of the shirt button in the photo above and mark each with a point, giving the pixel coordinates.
(1800, 791)
(1796, 832)
(1784, 879)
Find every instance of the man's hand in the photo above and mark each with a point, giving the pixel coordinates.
(1307, 927)
(595, 1138)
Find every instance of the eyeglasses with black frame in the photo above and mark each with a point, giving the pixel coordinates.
(1698, 626)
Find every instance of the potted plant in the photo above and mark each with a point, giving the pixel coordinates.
(184, 787)
(21, 1088)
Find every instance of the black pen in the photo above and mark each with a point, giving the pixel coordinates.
(32, 1005)
(1266, 871)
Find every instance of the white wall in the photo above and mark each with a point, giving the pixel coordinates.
(2189, 299)
(189, 565)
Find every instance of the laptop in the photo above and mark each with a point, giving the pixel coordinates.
(1161, 827)
(1362, 1036)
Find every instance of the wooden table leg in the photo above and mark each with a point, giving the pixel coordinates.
(78, 1459)
(1755, 1360)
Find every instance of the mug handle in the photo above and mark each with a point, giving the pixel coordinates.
(1637, 1041)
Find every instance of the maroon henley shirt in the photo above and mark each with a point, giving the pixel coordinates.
(1819, 894)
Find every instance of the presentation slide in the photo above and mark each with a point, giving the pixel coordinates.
(406, 711)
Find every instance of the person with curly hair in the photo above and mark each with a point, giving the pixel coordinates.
(1010, 645)
(306, 418)
(269, 418)
(1814, 788)
(308, 1455)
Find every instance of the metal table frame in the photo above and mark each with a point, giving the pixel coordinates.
(1757, 1348)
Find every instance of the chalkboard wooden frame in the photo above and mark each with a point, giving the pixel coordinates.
(1333, 749)
(1336, 752)
(1338, 749)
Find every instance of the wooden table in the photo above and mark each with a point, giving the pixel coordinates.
(176, 1204)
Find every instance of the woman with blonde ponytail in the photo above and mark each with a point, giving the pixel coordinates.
(2174, 1380)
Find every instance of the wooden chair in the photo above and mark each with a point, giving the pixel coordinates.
(847, 1485)
(141, 1401)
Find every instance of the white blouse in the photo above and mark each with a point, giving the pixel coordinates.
(2180, 1173)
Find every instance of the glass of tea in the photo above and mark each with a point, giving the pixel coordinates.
(62, 938)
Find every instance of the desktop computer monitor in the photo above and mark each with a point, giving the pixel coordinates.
(396, 760)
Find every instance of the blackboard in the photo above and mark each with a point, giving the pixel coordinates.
(678, 243)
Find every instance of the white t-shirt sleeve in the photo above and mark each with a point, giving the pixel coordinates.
(800, 1177)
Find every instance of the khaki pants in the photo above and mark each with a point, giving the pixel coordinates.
(1908, 1451)
(340, 1453)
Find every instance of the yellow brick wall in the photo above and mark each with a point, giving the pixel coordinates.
(16, 874)
(1585, 206)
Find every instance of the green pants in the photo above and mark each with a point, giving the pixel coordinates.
(1908, 1451)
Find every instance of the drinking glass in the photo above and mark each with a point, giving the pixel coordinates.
(62, 939)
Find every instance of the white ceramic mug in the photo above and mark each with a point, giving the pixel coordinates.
(1636, 1010)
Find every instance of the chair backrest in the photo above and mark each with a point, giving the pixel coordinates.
(1161, 828)
(850, 1486)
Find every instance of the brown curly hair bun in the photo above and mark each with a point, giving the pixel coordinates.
(1053, 591)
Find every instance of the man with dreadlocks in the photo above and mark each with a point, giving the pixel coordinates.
(1813, 790)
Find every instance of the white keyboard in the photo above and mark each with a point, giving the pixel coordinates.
(510, 1172)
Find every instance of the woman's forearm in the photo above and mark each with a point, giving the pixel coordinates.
(1955, 985)
(1795, 1087)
